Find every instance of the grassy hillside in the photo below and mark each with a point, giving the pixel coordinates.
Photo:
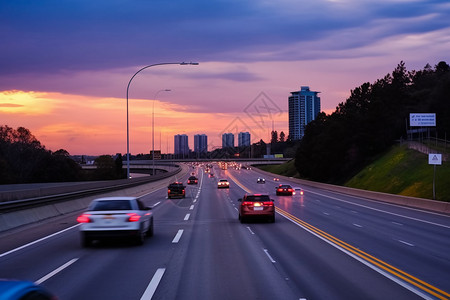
(399, 171)
(404, 172)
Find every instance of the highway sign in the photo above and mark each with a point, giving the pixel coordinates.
(434, 159)
(422, 120)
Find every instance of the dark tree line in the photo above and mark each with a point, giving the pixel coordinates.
(24, 160)
(335, 147)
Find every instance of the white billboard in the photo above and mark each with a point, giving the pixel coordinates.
(434, 159)
(422, 120)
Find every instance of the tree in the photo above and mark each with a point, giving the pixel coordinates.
(282, 136)
(274, 137)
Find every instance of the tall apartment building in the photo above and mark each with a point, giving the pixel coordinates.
(243, 139)
(201, 144)
(181, 146)
(304, 106)
(227, 140)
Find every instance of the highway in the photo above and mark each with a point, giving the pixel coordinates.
(323, 245)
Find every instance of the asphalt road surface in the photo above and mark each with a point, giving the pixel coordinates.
(323, 245)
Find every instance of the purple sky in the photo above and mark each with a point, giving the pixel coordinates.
(245, 48)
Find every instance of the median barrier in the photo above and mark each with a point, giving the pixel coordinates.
(139, 186)
(420, 203)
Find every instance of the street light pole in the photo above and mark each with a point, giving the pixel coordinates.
(128, 87)
(153, 128)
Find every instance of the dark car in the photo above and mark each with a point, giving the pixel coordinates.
(260, 180)
(21, 290)
(176, 190)
(256, 206)
(285, 189)
(192, 180)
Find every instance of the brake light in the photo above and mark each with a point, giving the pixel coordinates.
(134, 217)
(280, 190)
(247, 203)
(290, 190)
(84, 218)
(268, 203)
(168, 191)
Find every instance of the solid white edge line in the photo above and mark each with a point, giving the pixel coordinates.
(177, 237)
(37, 241)
(56, 271)
(368, 264)
(153, 285)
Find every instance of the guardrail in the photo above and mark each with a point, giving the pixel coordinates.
(413, 202)
(23, 199)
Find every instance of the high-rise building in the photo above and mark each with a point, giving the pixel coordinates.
(243, 139)
(304, 106)
(200, 144)
(227, 140)
(181, 146)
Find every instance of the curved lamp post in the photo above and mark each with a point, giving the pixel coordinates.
(153, 128)
(128, 87)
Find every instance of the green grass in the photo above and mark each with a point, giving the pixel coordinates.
(285, 169)
(404, 172)
(399, 171)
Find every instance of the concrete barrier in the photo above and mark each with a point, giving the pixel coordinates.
(11, 220)
(425, 204)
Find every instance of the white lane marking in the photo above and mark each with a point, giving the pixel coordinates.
(153, 285)
(325, 213)
(156, 204)
(268, 255)
(249, 229)
(357, 225)
(192, 207)
(396, 223)
(368, 264)
(37, 241)
(187, 217)
(177, 237)
(384, 211)
(56, 271)
(406, 243)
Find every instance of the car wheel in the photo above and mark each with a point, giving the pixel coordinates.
(272, 219)
(86, 241)
(140, 237)
(150, 228)
(241, 218)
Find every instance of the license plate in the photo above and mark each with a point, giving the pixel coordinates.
(258, 208)
(108, 217)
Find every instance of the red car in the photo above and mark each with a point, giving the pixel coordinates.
(256, 206)
(285, 189)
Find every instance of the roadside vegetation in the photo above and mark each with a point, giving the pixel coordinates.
(336, 147)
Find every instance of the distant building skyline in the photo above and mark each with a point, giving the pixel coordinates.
(244, 139)
(304, 106)
(227, 140)
(201, 144)
(181, 145)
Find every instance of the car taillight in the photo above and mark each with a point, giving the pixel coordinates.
(133, 217)
(280, 190)
(168, 191)
(290, 190)
(84, 218)
(247, 203)
(268, 203)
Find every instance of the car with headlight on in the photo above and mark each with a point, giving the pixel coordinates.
(115, 217)
(256, 206)
(223, 184)
(260, 180)
(11, 289)
(285, 189)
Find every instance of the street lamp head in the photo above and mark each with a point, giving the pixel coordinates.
(189, 63)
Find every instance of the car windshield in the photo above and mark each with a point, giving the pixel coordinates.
(192, 178)
(224, 180)
(261, 198)
(112, 205)
(285, 187)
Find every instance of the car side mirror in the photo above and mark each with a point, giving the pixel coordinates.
(240, 200)
(272, 200)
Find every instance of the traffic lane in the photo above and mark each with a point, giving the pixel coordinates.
(350, 223)
(416, 248)
(221, 260)
(321, 271)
